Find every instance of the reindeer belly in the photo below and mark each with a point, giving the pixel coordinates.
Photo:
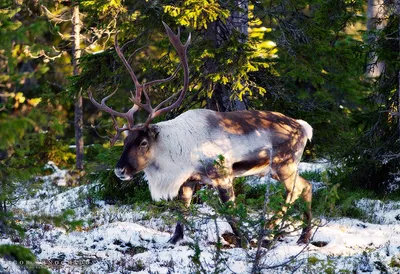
(227, 155)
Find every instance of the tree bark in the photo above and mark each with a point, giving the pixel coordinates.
(76, 54)
(240, 21)
(398, 71)
(221, 96)
(376, 21)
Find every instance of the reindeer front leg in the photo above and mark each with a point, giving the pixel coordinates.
(185, 194)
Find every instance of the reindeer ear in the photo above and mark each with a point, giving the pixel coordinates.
(125, 133)
(154, 130)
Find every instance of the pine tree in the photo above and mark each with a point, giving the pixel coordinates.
(374, 161)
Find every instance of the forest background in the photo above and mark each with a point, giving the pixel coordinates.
(333, 63)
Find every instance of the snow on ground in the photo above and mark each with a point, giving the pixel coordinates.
(318, 167)
(122, 239)
(380, 212)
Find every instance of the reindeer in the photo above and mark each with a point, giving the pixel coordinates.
(176, 154)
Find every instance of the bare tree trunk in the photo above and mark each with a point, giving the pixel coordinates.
(221, 97)
(215, 102)
(240, 18)
(398, 72)
(240, 21)
(376, 21)
(76, 54)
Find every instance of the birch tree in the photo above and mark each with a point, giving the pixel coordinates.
(76, 54)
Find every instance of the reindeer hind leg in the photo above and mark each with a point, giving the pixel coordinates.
(296, 186)
(307, 196)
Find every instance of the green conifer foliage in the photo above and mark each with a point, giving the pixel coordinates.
(30, 115)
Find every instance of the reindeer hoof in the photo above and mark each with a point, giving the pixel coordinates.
(174, 239)
(304, 237)
(178, 234)
(302, 241)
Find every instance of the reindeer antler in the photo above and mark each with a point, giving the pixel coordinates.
(140, 88)
(182, 53)
(127, 115)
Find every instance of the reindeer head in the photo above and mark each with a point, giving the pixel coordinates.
(138, 152)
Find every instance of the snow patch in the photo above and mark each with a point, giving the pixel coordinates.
(380, 212)
(122, 239)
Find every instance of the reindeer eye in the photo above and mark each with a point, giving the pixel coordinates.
(144, 143)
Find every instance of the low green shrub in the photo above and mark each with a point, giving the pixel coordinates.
(65, 220)
(23, 256)
(114, 191)
(9, 226)
(17, 253)
(109, 187)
